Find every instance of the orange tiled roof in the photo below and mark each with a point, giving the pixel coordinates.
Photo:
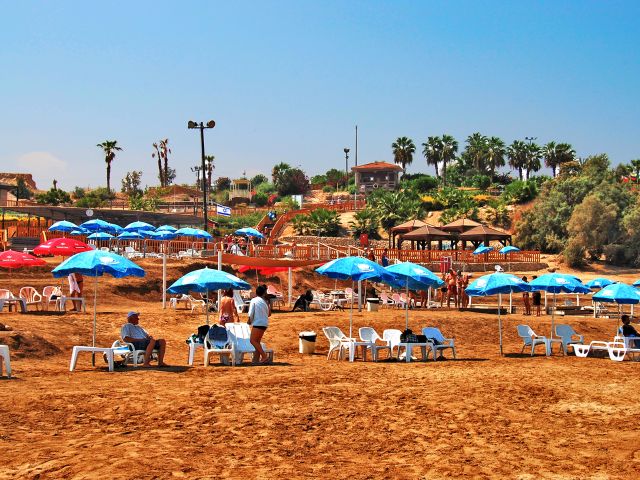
(376, 166)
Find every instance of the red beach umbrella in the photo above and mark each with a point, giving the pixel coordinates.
(64, 247)
(12, 259)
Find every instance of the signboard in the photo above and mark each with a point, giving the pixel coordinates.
(224, 211)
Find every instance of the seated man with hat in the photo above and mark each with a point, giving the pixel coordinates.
(133, 333)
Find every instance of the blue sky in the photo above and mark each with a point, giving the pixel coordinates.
(288, 81)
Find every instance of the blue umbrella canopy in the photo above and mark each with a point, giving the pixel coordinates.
(138, 227)
(97, 225)
(166, 228)
(207, 280)
(100, 236)
(63, 226)
(115, 229)
(193, 232)
(249, 232)
(482, 249)
(559, 283)
(355, 268)
(598, 283)
(497, 284)
(96, 263)
(620, 293)
(636, 283)
(79, 231)
(415, 277)
(162, 235)
(509, 249)
(130, 236)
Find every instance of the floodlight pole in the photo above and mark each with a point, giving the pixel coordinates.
(201, 126)
(346, 169)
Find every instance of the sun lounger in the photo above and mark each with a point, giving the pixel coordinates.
(239, 338)
(584, 350)
(129, 353)
(623, 346)
(242, 305)
(5, 360)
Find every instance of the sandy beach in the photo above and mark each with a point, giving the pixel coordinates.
(480, 416)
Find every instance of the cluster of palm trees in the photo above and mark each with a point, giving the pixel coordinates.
(484, 154)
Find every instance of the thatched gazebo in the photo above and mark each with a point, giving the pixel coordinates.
(403, 228)
(484, 234)
(460, 226)
(423, 236)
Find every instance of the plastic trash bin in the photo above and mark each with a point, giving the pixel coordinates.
(372, 304)
(307, 342)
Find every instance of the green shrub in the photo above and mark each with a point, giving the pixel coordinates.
(327, 189)
(260, 199)
(518, 192)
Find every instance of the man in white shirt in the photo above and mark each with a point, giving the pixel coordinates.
(133, 333)
(259, 312)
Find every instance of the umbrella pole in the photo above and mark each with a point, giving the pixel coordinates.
(510, 302)
(95, 296)
(553, 315)
(290, 286)
(164, 281)
(500, 321)
(351, 312)
(406, 305)
(206, 304)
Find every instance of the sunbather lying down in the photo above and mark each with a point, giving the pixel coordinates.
(132, 332)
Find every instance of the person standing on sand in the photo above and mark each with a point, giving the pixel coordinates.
(525, 299)
(384, 259)
(228, 308)
(132, 332)
(259, 312)
(537, 298)
(452, 288)
(75, 289)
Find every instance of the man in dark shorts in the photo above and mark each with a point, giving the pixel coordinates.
(133, 333)
(537, 299)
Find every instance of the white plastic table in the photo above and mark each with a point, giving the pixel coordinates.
(61, 303)
(108, 351)
(409, 347)
(14, 301)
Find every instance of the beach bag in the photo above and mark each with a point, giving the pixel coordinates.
(218, 336)
(408, 336)
(421, 338)
(202, 332)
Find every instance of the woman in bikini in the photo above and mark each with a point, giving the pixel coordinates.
(228, 308)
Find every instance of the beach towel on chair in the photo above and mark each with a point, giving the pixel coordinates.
(218, 336)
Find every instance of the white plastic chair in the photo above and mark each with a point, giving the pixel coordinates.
(530, 339)
(225, 351)
(338, 341)
(31, 297)
(397, 301)
(50, 295)
(129, 353)
(392, 337)
(279, 299)
(242, 305)
(240, 340)
(369, 335)
(566, 334)
(434, 335)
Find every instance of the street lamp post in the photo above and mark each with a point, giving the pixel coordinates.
(346, 169)
(201, 126)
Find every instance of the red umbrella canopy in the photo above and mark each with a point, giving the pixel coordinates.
(13, 259)
(263, 270)
(64, 247)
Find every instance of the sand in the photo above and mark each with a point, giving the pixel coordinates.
(480, 416)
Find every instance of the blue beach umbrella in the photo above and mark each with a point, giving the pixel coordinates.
(249, 232)
(100, 236)
(355, 269)
(619, 293)
(207, 280)
(194, 233)
(139, 227)
(509, 249)
(79, 231)
(636, 283)
(598, 283)
(558, 283)
(130, 236)
(497, 284)
(63, 226)
(482, 249)
(97, 225)
(415, 277)
(115, 229)
(166, 228)
(96, 263)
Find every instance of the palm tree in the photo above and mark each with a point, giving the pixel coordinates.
(157, 154)
(431, 152)
(495, 155)
(448, 151)
(403, 150)
(534, 155)
(517, 155)
(476, 150)
(636, 168)
(555, 154)
(109, 147)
